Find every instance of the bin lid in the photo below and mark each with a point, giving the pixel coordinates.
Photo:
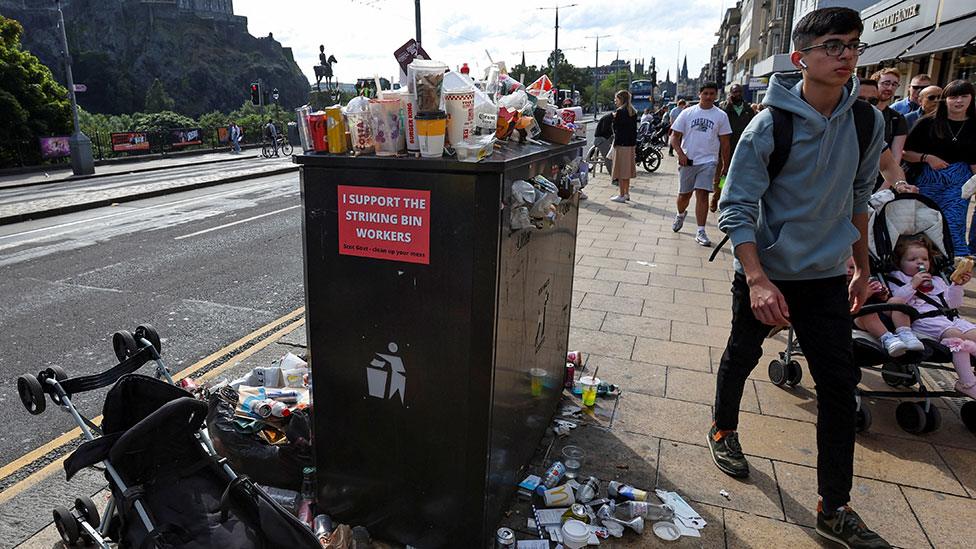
(509, 155)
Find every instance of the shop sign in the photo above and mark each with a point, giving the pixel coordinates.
(758, 83)
(381, 223)
(895, 17)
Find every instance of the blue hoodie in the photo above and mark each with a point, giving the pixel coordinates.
(801, 222)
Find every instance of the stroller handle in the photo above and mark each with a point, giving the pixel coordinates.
(108, 377)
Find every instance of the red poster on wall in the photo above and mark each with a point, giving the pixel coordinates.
(391, 224)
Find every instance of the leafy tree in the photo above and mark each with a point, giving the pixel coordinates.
(158, 121)
(157, 100)
(32, 103)
(210, 121)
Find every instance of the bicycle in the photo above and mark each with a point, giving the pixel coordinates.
(269, 150)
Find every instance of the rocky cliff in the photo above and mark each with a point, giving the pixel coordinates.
(120, 46)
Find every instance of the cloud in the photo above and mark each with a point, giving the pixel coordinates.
(363, 34)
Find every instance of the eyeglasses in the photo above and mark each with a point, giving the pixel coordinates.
(919, 88)
(872, 100)
(835, 48)
(888, 83)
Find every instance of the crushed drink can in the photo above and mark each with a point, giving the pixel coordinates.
(575, 357)
(620, 490)
(262, 408)
(570, 376)
(555, 472)
(576, 511)
(504, 538)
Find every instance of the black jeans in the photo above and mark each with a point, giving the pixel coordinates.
(820, 314)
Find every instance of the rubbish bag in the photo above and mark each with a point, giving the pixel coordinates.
(279, 465)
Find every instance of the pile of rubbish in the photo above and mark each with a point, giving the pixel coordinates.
(442, 111)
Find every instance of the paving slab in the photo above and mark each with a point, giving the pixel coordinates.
(948, 521)
(630, 375)
(664, 418)
(744, 530)
(601, 343)
(672, 353)
(698, 386)
(963, 466)
(616, 304)
(637, 326)
(880, 504)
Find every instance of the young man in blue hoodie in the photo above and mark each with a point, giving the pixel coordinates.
(792, 237)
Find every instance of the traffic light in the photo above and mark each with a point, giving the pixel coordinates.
(255, 93)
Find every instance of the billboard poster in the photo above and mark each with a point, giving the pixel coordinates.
(223, 136)
(54, 147)
(185, 138)
(130, 141)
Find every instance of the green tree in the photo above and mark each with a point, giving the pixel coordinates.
(157, 100)
(32, 103)
(159, 121)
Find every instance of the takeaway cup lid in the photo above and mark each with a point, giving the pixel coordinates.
(666, 530)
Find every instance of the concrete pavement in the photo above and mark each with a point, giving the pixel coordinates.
(653, 315)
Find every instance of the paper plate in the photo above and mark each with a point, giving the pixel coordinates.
(666, 531)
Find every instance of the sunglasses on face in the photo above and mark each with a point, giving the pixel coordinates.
(835, 48)
(930, 98)
(919, 88)
(872, 100)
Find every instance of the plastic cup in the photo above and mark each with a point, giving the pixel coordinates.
(573, 460)
(360, 131)
(425, 80)
(538, 380)
(589, 385)
(460, 114)
(576, 534)
(410, 124)
(384, 117)
(431, 127)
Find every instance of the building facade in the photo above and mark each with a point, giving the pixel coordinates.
(937, 37)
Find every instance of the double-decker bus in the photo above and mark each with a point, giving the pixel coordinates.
(641, 94)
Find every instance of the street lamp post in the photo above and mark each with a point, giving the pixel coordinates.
(82, 162)
(596, 67)
(416, 15)
(555, 61)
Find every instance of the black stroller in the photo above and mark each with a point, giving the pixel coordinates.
(905, 215)
(169, 488)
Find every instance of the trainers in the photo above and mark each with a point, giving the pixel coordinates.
(583, 196)
(679, 221)
(622, 198)
(847, 529)
(702, 239)
(909, 339)
(727, 454)
(893, 345)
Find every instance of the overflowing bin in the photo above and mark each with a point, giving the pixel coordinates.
(425, 313)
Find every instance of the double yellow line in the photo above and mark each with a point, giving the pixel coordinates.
(258, 336)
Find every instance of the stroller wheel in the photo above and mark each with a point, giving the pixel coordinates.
(777, 372)
(968, 415)
(863, 419)
(67, 525)
(794, 373)
(147, 332)
(911, 417)
(31, 394)
(933, 418)
(892, 373)
(86, 507)
(124, 344)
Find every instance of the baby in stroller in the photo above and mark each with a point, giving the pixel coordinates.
(880, 325)
(936, 301)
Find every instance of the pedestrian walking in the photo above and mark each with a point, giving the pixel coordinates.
(235, 134)
(700, 136)
(740, 114)
(913, 102)
(624, 141)
(928, 100)
(672, 116)
(944, 146)
(896, 129)
(603, 139)
(792, 237)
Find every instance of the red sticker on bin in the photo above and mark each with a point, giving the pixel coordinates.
(382, 223)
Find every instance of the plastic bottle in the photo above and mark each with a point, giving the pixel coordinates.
(633, 509)
(305, 508)
(588, 490)
(926, 285)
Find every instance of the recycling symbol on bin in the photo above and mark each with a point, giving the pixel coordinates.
(386, 375)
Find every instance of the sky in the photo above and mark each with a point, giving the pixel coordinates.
(363, 34)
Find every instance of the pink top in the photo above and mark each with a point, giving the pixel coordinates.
(950, 292)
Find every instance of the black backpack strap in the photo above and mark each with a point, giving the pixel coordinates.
(782, 141)
(864, 126)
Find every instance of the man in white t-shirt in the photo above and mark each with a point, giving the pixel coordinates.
(700, 136)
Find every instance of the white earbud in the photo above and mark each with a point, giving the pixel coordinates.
(803, 63)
